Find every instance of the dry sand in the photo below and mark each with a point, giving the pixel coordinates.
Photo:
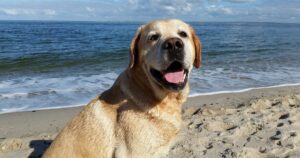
(257, 123)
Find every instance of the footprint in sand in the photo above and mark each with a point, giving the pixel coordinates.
(218, 126)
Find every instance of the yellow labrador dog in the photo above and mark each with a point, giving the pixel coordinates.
(140, 115)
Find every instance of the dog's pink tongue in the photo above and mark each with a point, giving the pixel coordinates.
(175, 77)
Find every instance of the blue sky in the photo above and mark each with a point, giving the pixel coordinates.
(145, 10)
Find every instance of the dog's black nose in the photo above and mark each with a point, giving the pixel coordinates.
(173, 45)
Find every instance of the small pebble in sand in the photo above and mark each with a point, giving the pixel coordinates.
(284, 116)
(209, 146)
(277, 136)
(279, 143)
(232, 128)
(227, 153)
(275, 103)
(293, 134)
(280, 124)
(197, 111)
(262, 149)
(248, 139)
(292, 105)
(291, 146)
(241, 105)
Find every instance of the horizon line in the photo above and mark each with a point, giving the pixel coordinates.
(140, 21)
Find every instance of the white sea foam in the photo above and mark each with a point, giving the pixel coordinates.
(26, 108)
(13, 95)
(10, 110)
(243, 90)
(38, 93)
(26, 93)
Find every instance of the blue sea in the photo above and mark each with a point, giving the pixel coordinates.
(60, 64)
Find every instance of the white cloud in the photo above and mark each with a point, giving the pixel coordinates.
(240, 1)
(133, 2)
(171, 7)
(188, 7)
(15, 12)
(26, 12)
(9, 11)
(142, 10)
(89, 9)
(49, 12)
(213, 9)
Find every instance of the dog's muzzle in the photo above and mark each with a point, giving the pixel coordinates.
(174, 77)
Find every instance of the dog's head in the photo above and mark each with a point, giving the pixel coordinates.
(167, 51)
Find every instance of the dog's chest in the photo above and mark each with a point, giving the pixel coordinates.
(141, 134)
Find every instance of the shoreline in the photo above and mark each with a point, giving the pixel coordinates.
(190, 96)
(55, 118)
(245, 90)
(236, 123)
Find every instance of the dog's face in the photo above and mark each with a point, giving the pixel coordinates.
(167, 51)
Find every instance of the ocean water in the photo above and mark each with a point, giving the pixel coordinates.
(58, 64)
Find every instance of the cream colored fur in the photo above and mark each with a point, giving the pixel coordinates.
(136, 117)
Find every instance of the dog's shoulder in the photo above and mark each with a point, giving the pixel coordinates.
(100, 110)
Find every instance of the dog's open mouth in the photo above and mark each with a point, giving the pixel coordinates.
(173, 78)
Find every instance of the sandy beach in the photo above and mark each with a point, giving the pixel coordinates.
(262, 122)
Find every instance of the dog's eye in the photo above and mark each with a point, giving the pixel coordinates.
(154, 37)
(182, 34)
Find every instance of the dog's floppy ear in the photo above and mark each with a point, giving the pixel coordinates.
(198, 46)
(134, 48)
